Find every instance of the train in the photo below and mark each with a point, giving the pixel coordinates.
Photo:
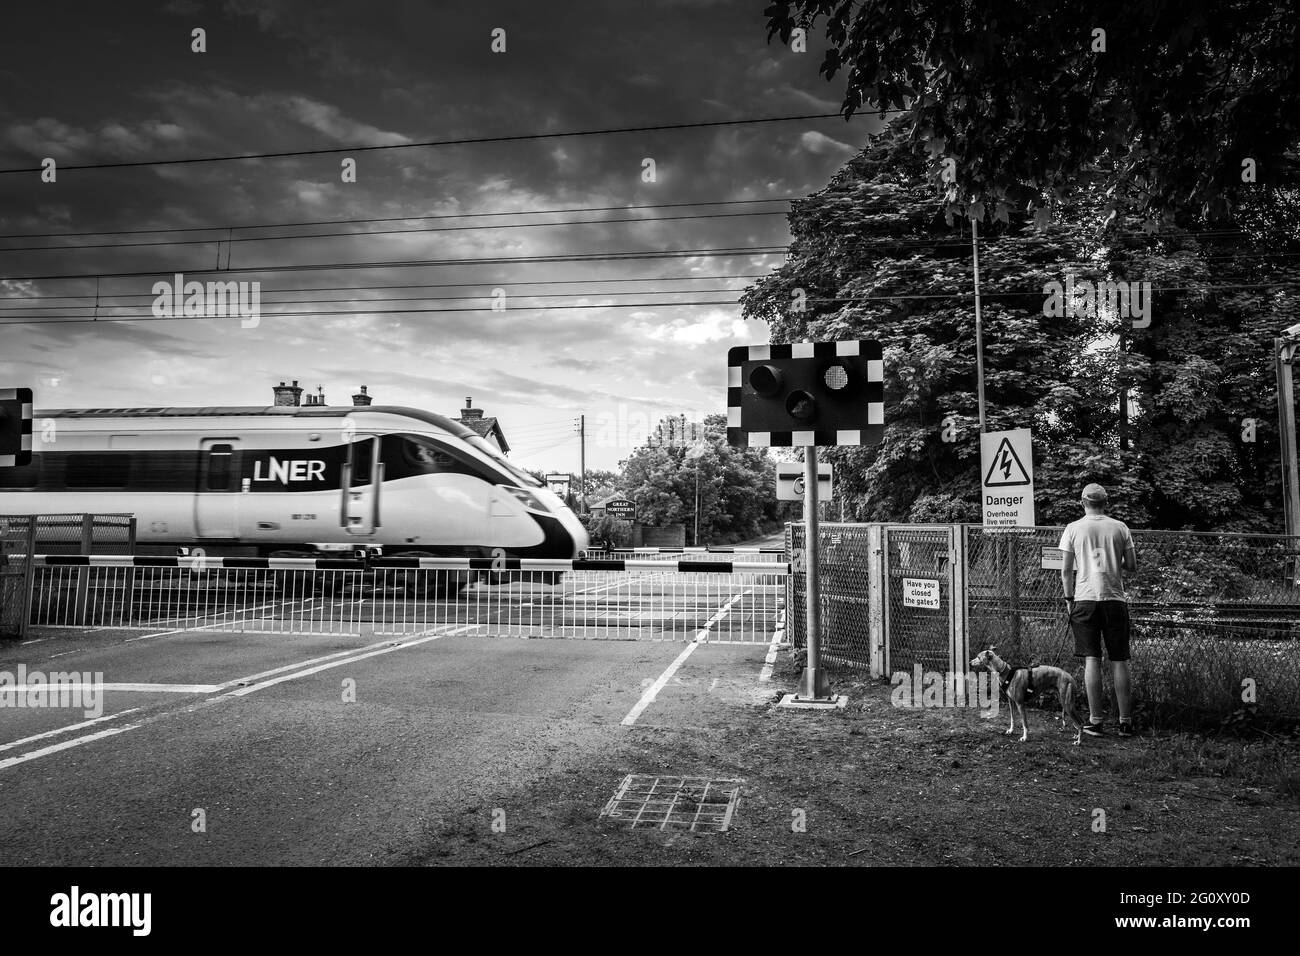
(283, 481)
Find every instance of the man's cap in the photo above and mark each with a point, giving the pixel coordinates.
(1094, 492)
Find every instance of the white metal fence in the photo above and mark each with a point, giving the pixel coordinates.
(712, 599)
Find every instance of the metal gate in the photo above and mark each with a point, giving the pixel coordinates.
(920, 619)
(17, 546)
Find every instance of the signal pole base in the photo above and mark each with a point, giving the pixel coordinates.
(795, 702)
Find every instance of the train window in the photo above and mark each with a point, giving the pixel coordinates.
(219, 459)
(25, 476)
(426, 457)
(96, 470)
(363, 453)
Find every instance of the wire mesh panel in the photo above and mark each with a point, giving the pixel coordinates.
(85, 533)
(918, 606)
(16, 536)
(843, 563)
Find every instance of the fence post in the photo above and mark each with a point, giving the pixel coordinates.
(876, 598)
(957, 596)
(81, 602)
(127, 612)
(1013, 569)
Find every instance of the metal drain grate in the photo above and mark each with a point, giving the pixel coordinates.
(692, 803)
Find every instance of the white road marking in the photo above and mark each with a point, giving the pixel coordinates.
(653, 690)
(777, 637)
(142, 688)
(353, 655)
(68, 729)
(66, 745)
(241, 692)
(145, 637)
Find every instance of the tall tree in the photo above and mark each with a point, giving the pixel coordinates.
(736, 486)
(1183, 102)
(1160, 410)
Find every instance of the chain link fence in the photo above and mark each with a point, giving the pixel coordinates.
(85, 533)
(918, 589)
(1215, 615)
(845, 568)
(16, 537)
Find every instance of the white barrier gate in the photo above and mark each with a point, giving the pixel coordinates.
(712, 599)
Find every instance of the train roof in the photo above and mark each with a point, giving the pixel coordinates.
(270, 411)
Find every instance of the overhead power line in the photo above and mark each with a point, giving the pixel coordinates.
(433, 143)
(986, 294)
(414, 263)
(383, 232)
(228, 227)
(427, 285)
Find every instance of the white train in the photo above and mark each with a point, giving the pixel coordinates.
(277, 480)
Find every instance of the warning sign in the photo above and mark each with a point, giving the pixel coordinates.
(1053, 560)
(921, 592)
(1007, 490)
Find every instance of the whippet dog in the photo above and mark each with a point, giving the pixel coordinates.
(1017, 681)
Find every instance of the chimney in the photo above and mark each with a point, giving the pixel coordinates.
(287, 395)
(469, 411)
(361, 398)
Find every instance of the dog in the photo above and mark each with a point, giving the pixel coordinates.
(1018, 681)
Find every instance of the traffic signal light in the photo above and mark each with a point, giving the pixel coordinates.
(806, 393)
(15, 427)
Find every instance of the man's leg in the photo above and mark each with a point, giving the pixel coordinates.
(1092, 684)
(1118, 633)
(1123, 688)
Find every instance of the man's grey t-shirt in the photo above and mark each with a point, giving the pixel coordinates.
(1098, 543)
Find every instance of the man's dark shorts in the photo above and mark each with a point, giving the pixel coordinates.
(1095, 621)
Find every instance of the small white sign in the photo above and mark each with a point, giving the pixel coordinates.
(790, 481)
(921, 592)
(1007, 485)
(1053, 559)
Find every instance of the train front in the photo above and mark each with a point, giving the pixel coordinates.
(563, 535)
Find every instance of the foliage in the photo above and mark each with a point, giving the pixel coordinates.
(875, 258)
(1020, 94)
(737, 487)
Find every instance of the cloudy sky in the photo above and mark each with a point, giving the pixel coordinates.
(298, 75)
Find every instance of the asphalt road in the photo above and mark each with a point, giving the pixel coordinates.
(331, 749)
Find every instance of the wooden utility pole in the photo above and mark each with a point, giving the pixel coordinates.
(582, 440)
(1284, 350)
(979, 324)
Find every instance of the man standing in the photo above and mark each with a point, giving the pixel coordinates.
(1101, 550)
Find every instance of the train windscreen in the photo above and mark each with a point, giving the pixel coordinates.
(523, 477)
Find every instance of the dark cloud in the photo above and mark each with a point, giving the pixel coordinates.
(296, 74)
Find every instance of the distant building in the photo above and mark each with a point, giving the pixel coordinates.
(487, 428)
(287, 395)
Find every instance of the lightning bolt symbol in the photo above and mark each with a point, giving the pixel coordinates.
(1006, 465)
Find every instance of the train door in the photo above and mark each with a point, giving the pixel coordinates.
(363, 477)
(216, 506)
